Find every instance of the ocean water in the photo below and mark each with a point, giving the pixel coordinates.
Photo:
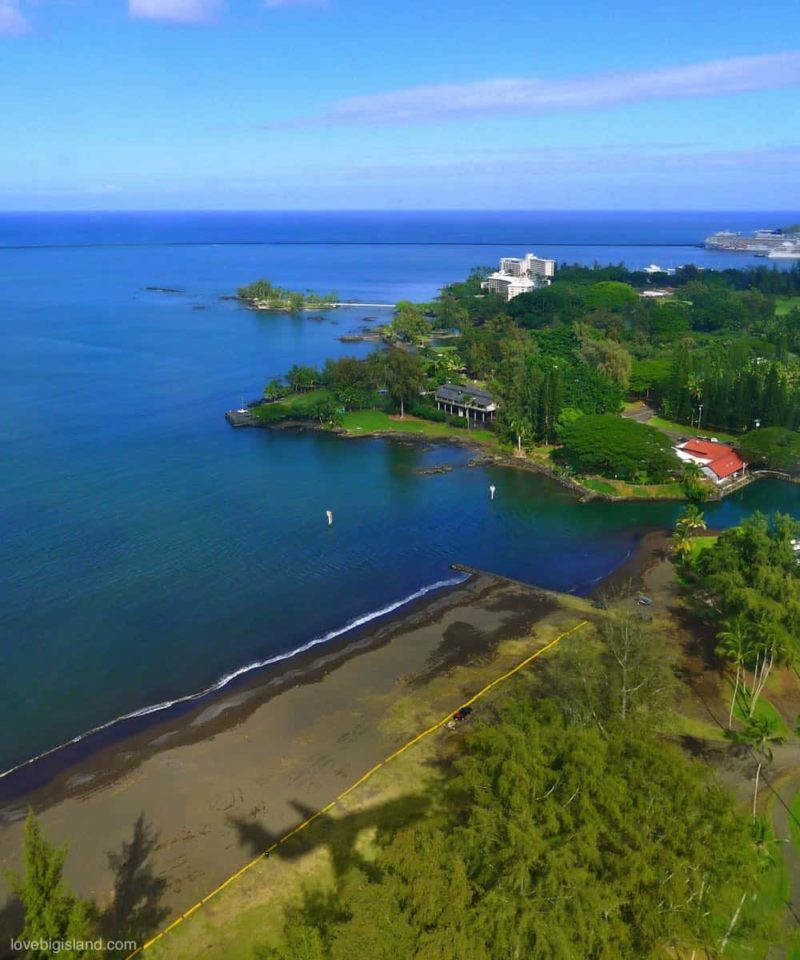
(148, 550)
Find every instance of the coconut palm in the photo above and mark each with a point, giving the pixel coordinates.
(692, 518)
(732, 643)
(681, 543)
(760, 736)
(768, 646)
(518, 425)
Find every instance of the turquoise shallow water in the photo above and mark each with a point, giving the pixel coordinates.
(148, 550)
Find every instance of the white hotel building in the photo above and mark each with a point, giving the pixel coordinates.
(517, 276)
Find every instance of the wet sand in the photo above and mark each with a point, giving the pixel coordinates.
(237, 769)
(651, 549)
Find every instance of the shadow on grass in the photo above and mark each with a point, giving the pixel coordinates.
(338, 833)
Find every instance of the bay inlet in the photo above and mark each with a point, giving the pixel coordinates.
(149, 552)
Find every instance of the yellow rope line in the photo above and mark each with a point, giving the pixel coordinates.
(392, 756)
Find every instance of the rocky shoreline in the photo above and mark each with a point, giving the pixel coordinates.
(245, 418)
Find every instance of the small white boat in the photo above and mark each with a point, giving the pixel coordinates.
(787, 251)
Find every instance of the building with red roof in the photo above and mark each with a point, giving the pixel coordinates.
(718, 461)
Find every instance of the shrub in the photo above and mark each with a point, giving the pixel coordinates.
(427, 411)
(460, 422)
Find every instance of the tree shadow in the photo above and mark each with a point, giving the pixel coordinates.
(339, 834)
(137, 909)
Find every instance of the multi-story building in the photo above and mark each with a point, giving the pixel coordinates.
(517, 276)
(466, 401)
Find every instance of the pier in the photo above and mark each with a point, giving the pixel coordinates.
(241, 418)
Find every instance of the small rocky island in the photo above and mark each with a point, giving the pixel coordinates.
(264, 295)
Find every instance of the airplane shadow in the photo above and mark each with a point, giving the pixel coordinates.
(339, 834)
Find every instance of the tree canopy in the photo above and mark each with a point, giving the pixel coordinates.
(774, 447)
(542, 846)
(614, 447)
(753, 574)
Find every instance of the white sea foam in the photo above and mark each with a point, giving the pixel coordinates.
(247, 668)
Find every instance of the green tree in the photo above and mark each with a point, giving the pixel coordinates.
(774, 447)
(404, 378)
(275, 389)
(326, 410)
(52, 912)
(302, 378)
(615, 447)
(752, 573)
(693, 486)
(610, 358)
(410, 323)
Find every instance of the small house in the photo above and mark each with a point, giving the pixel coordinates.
(718, 461)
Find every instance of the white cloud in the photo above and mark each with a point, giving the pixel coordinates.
(530, 95)
(176, 11)
(13, 22)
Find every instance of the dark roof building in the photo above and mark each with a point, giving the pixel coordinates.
(466, 401)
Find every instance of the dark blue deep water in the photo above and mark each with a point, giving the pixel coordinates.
(148, 550)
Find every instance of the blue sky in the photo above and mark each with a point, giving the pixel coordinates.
(348, 104)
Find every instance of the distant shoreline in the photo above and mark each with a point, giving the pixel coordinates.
(269, 307)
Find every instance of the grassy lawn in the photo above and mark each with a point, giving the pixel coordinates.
(599, 486)
(688, 431)
(794, 821)
(769, 901)
(620, 488)
(699, 544)
(784, 305)
(680, 725)
(764, 711)
(372, 421)
(295, 400)
(295, 405)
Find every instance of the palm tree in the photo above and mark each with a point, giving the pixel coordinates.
(518, 425)
(692, 518)
(769, 647)
(760, 736)
(733, 645)
(691, 470)
(681, 543)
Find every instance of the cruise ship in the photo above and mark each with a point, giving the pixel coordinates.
(761, 242)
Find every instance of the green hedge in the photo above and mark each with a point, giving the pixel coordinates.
(426, 411)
